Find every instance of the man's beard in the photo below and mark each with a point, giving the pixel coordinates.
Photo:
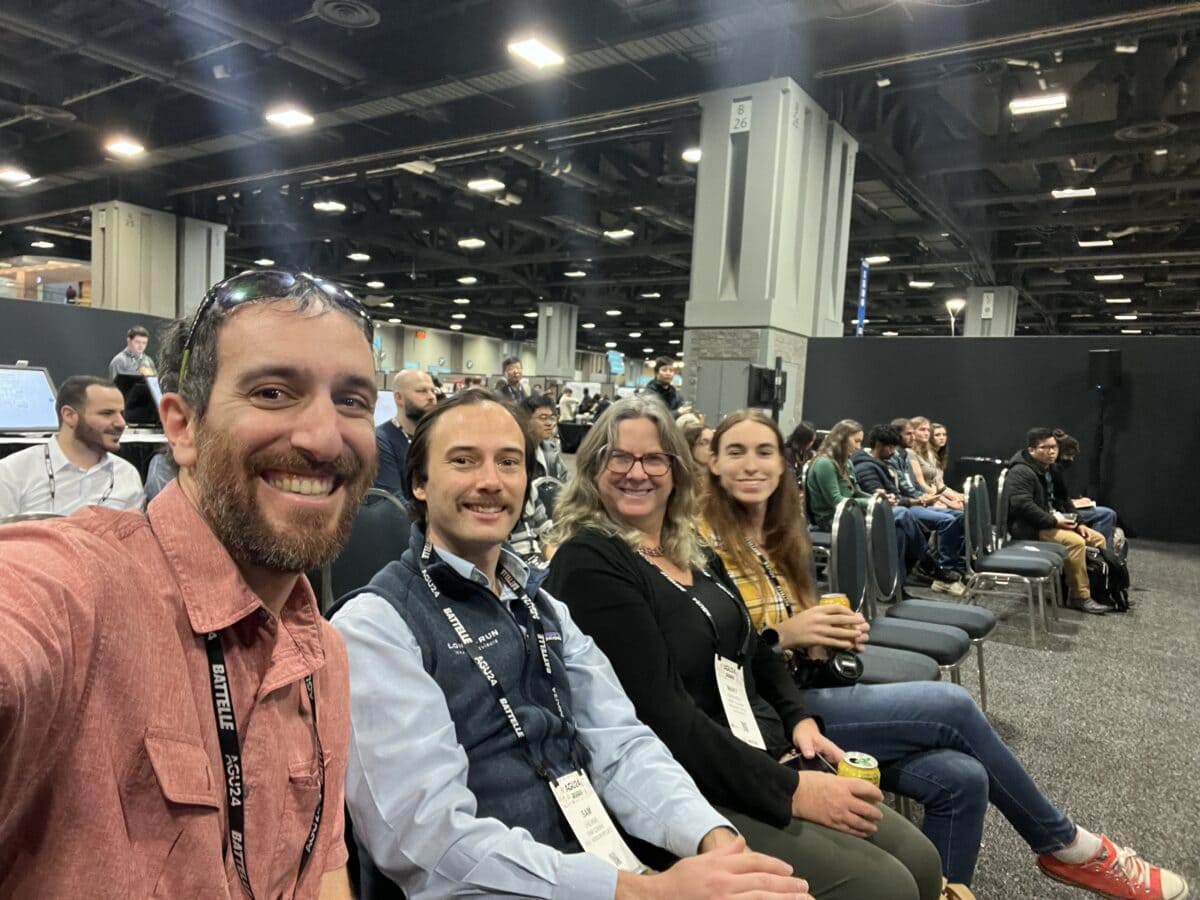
(225, 485)
(412, 412)
(93, 438)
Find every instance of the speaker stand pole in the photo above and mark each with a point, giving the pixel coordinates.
(1095, 478)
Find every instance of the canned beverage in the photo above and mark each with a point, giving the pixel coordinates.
(835, 600)
(856, 764)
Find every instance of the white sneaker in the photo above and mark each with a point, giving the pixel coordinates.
(953, 588)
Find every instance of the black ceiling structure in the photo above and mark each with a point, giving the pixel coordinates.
(413, 100)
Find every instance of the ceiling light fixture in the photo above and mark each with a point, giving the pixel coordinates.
(359, 256)
(666, 324)
(610, 344)
(1118, 299)
(588, 325)
(454, 326)
(1126, 45)
(635, 334)
(289, 117)
(679, 355)
(471, 243)
(532, 314)
(13, 175)
(1131, 331)
(1126, 317)
(1073, 193)
(882, 81)
(612, 312)
(1161, 151)
(918, 284)
(620, 234)
(121, 145)
(461, 301)
(375, 285)
(486, 185)
(467, 279)
(329, 206)
(388, 305)
(674, 342)
(891, 334)
(458, 315)
(1111, 276)
(956, 305)
(1037, 103)
(393, 321)
(42, 245)
(649, 351)
(517, 326)
(651, 295)
(877, 260)
(264, 261)
(1096, 242)
(533, 50)
(576, 273)
(691, 155)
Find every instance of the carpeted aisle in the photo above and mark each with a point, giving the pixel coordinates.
(1107, 722)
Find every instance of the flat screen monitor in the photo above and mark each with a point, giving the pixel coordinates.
(141, 409)
(385, 407)
(26, 400)
(155, 388)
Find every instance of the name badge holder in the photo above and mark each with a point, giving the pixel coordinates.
(573, 791)
(731, 683)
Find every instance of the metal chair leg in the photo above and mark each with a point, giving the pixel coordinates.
(1032, 615)
(954, 671)
(978, 642)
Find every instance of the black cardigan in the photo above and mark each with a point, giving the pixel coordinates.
(660, 645)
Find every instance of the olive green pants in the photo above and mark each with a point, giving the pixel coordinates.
(896, 863)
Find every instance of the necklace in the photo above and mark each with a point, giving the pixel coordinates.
(656, 552)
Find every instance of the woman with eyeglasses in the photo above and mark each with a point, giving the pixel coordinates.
(631, 567)
(932, 741)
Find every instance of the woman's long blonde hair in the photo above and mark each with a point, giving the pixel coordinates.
(580, 506)
(924, 450)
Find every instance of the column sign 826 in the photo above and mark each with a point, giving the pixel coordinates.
(739, 115)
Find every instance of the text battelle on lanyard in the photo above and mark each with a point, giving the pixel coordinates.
(731, 684)
(112, 478)
(578, 800)
(231, 757)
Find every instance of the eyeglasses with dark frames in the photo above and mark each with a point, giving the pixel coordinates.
(653, 464)
(246, 287)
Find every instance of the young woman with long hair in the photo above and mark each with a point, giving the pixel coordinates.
(830, 478)
(924, 462)
(931, 739)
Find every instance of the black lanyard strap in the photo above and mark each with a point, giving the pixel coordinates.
(112, 478)
(489, 674)
(740, 659)
(781, 595)
(231, 755)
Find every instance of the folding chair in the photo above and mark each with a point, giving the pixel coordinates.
(378, 536)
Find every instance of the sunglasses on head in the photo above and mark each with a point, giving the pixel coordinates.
(246, 287)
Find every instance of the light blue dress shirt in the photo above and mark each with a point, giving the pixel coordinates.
(406, 778)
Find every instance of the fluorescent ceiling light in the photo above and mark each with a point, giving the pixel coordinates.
(531, 315)
(619, 234)
(394, 321)
(1126, 45)
(891, 334)
(1161, 151)
(673, 342)
(1118, 299)
(467, 279)
(458, 315)
(388, 305)
(375, 285)
(1131, 331)
(918, 284)
(329, 206)
(1098, 242)
(666, 324)
(648, 350)
(588, 325)
(359, 256)
(534, 51)
(635, 334)
(610, 344)
(124, 146)
(1113, 276)
(289, 117)
(486, 185)
(13, 175)
(576, 273)
(517, 327)
(651, 295)
(1037, 103)
(691, 155)
(612, 312)
(679, 355)
(1072, 193)
(42, 245)
(454, 326)
(264, 261)
(883, 81)
(461, 301)
(1126, 317)
(877, 260)
(471, 243)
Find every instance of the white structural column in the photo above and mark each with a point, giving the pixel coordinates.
(771, 239)
(148, 261)
(990, 312)
(557, 323)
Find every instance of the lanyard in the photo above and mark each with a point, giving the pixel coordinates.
(712, 622)
(493, 680)
(782, 601)
(112, 478)
(231, 754)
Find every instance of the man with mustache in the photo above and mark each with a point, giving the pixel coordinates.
(79, 465)
(174, 713)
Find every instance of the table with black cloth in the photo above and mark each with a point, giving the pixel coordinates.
(571, 434)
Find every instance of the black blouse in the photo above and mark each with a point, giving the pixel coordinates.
(661, 646)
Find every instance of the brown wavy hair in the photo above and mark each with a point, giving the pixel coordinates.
(834, 446)
(785, 530)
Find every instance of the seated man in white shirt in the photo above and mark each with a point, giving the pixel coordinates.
(77, 467)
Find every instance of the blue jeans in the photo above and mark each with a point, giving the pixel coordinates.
(934, 745)
(1101, 519)
(951, 538)
(910, 540)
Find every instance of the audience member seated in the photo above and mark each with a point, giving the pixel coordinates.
(946, 524)
(1037, 512)
(1101, 518)
(926, 472)
(698, 436)
(939, 441)
(874, 476)
(662, 386)
(415, 395)
(472, 745)
(160, 472)
(954, 769)
(78, 466)
(543, 422)
(636, 578)
(683, 420)
(830, 478)
(133, 360)
(799, 448)
(511, 388)
(568, 406)
(602, 405)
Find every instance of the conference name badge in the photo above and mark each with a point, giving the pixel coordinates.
(588, 818)
(737, 705)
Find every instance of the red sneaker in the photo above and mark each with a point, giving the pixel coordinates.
(1116, 872)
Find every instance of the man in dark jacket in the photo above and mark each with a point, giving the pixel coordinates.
(415, 395)
(661, 386)
(1037, 512)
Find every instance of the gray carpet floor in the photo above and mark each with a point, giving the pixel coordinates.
(1107, 721)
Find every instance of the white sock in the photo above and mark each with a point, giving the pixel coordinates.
(1083, 848)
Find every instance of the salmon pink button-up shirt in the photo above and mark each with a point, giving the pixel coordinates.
(111, 778)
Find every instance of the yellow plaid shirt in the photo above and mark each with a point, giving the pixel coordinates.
(765, 606)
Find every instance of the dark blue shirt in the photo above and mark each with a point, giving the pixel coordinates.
(392, 443)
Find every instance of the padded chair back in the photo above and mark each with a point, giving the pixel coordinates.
(971, 524)
(548, 489)
(848, 554)
(379, 536)
(882, 555)
(1003, 502)
(987, 534)
(804, 490)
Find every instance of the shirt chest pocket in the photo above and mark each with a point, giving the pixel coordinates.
(171, 802)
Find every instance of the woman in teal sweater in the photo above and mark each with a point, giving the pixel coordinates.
(830, 478)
